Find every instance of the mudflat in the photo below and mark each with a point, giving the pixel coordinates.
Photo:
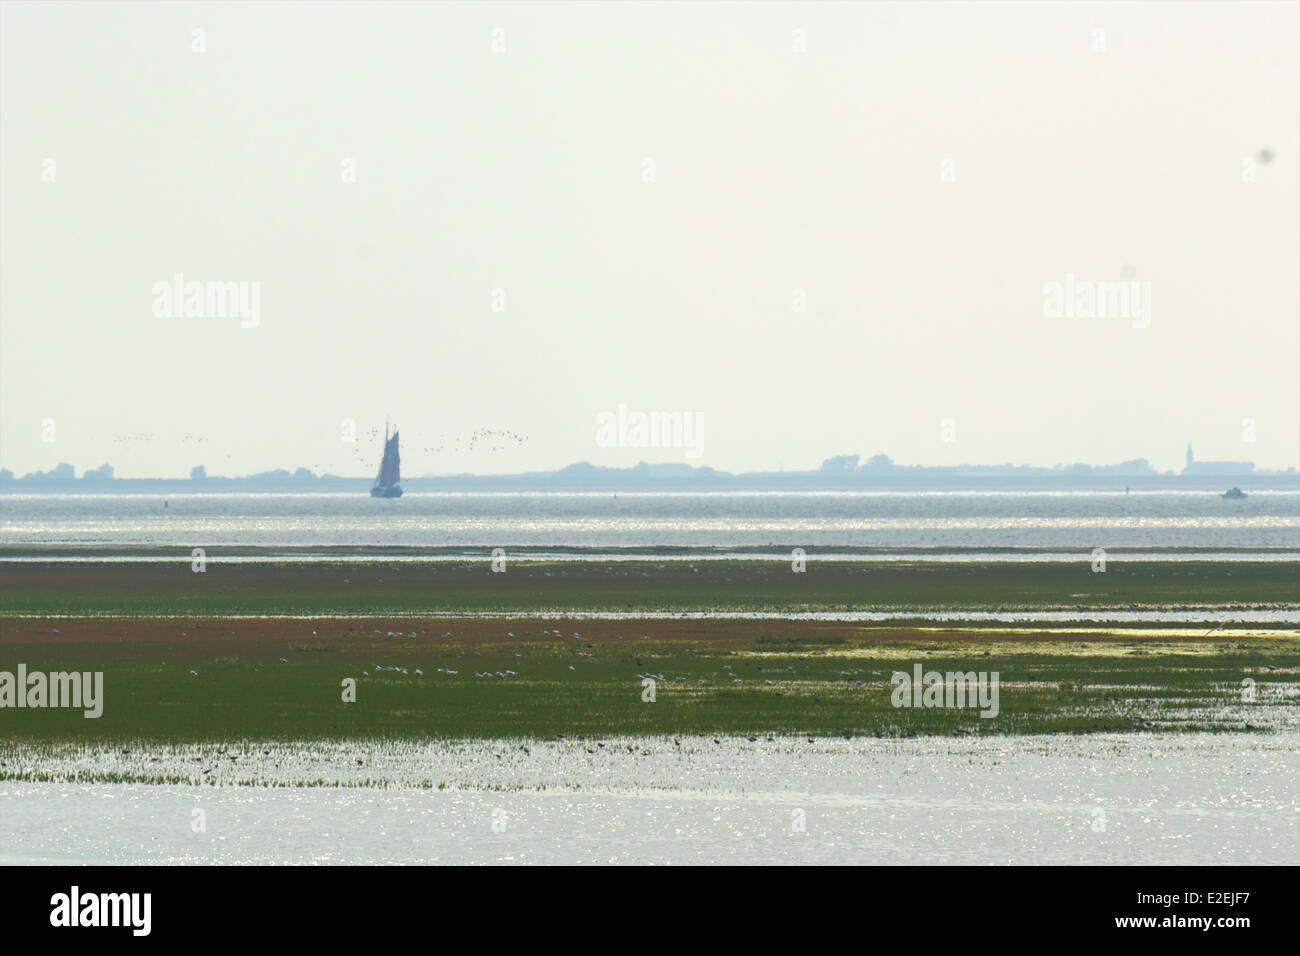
(526, 587)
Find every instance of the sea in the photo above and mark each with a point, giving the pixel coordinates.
(1063, 799)
(1007, 525)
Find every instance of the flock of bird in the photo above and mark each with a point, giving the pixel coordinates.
(556, 632)
(494, 440)
(502, 675)
(153, 436)
(501, 439)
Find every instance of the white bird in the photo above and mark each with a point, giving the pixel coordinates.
(194, 673)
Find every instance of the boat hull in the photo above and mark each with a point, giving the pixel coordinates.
(392, 491)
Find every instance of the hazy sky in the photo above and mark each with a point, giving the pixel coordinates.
(920, 171)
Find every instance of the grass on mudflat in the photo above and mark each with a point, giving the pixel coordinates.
(424, 686)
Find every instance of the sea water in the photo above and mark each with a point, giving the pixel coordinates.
(1063, 799)
(885, 521)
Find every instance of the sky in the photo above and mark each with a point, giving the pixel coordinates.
(809, 229)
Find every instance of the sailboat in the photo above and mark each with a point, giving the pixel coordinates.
(390, 470)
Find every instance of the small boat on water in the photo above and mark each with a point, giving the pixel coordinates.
(1234, 492)
(390, 470)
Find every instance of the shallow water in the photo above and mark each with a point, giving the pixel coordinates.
(886, 520)
(1114, 798)
(1100, 616)
(273, 555)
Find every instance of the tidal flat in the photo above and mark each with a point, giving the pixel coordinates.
(222, 680)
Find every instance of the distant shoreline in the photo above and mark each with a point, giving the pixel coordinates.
(554, 483)
(843, 473)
